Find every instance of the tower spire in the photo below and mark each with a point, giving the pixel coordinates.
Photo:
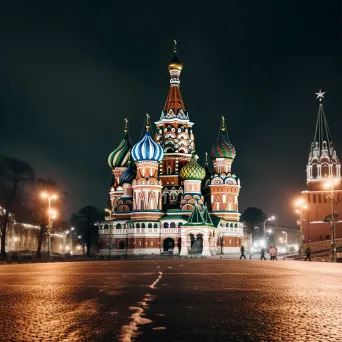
(323, 161)
(174, 106)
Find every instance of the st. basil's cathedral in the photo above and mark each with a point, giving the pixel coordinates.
(161, 199)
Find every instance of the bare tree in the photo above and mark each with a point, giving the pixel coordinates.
(84, 221)
(14, 176)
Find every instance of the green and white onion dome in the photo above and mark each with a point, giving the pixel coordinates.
(120, 156)
(192, 170)
(223, 149)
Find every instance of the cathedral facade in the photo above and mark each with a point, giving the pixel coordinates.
(322, 200)
(161, 199)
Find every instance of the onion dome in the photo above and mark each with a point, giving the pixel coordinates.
(146, 148)
(192, 170)
(223, 148)
(129, 174)
(120, 156)
(175, 63)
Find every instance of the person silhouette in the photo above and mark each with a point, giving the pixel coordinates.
(242, 249)
(308, 254)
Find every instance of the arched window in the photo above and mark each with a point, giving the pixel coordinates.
(166, 225)
(118, 226)
(180, 224)
(143, 225)
(325, 170)
(106, 226)
(166, 197)
(169, 170)
(150, 225)
(173, 225)
(314, 171)
(138, 225)
(155, 225)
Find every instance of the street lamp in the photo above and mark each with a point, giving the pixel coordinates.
(272, 218)
(330, 184)
(52, 214)
(285, 235)
(300, 204)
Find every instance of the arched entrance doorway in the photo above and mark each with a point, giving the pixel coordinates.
(168, 244)
(122, 244)
(196, 244)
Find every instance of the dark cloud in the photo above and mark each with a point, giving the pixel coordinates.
(72, 72)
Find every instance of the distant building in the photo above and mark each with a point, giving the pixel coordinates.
(323, 165)
(161, 199)
(23, 237)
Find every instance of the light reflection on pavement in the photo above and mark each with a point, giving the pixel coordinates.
(201, 300)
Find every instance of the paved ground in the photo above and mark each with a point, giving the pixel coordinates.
(176, 300)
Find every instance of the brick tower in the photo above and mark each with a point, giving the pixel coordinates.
(324, 189)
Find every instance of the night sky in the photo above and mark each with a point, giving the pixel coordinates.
(71, 73)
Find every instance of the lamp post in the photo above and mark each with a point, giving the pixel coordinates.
(301, 206)
(52, 214)
(330, 184)
(64, 240)
(285, 236)
(272, 218)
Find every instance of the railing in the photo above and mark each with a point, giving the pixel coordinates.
(31, 257)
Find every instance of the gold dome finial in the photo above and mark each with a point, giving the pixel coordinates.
(175, 63)
(223, 123)
(175, 45)
(126, 125)
(148, 124)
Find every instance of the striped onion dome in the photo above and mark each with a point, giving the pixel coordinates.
(147, 149)
(120, 156)
(192, 170)
(129, 174)
(223, 149)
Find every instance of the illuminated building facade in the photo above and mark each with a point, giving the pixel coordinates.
(161, 199)
(323, 168)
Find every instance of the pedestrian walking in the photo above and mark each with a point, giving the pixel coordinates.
(271, 251)
(308, 254)
(275, 252)
(242, 249)
(262, 253)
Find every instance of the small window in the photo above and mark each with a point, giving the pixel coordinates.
(320, 237)
(118, 226)
(173, 225)
(151, 243)
(314, 198)
(143, 225)
(155, 225)
(150, 225)
(327, 237)
(166, 225)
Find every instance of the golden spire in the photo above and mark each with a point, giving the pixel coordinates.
(148, 124)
